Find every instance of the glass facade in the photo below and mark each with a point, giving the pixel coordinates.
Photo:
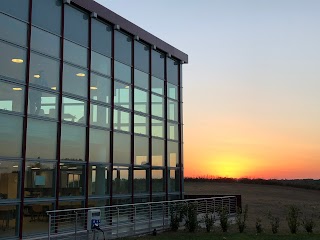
(87, 118)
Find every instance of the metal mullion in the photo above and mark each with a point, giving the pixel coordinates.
(132, 120)
(150, 121)
(60, 109)
(166, 128)
(25, 124)
(180, 129)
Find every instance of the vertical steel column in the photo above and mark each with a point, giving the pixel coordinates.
(25, 122)
(88, 118)
(60, 109)
(150, 122)
(180, 124)
(132, 120)
(167, 174)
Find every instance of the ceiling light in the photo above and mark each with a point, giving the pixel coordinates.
(80, 74)
(36, 76)
(54, 88)
(35, 168)
(17, 89)
(17, 60)
(72, 168)
(126, 87)
(93, 88)
(15, 166)
(61, 164)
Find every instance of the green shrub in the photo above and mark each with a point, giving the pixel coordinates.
(275, 223)
(242, 218)
(191, 217)
(293, 218)
(176, 216)
(209, 221)
(308, 224)
(259, 225)
(223, 218)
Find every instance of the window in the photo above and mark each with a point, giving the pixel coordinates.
(173, 110)
(121, 145)
(141, 101)
(13, 212)
(123, 45)
(120, 181)
(157, 128)
(45, 42)
(74, 110)
(43, 104)
(141, 150)
(72, 179)
(10, 135)
(74, 53)
(101, 37)
(11, 97)
(122, 95)
(158, 152)
(73, 22)
(141, 79)
(73, 142)
(13, 30)
(158, 180)
(141, 180)
(75, 80)
(122, 120)
(9, 179)
(44, 72)
(39, 179)
(158, 64)
(99, 116)
(98, 180)
(141, 124)
(157, 106)
(157, 85)
(172, 91)
(47, 15)
(100, 64)
(12, 62)
(172, 71)
(122, 72)
(100, 89)
(141, 56)
(173, 154)
(16, 8)
(173, 131)
(174, 181)
(99, 146)
(41, 139)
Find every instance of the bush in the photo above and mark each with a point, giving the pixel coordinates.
(275, 223)
(223, 218)
(259, 225)
(308, 224)
(176, 215)
(242, 218)
(209, 221)
(191, 217)
(293, 218)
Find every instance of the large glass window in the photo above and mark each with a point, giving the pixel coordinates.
(12, 62)
(122, 72)
(73, 142)
(173, 131)
(172, 91)
(122, 95)
(141, 56)
(141, 150)
(99, 146)
(11, 97)
(173, 110)
(39, 179)
(141, 124)
(158, 64)
(141, 79)
(120, 181)
(45, 42)
(121, 145)
(10, 136)
(100, 63)
(9, 228)
(122, 120)
(75, 80)
(44, 71)
(141, 101)
(157, 106)
(157, 128)
(75, 54)
(173, 154)
(172, 71)
(16, 8)
(158, 152)
(72, 179)
(98, 180)
(157, 85)
(100, 89)
(158, 180)
(13, 30)
(141, 180)
(9, 179)
(101, 37)
(42, 103)
(41, 139)
(47, 15)
(74, 110)
(100, 116)
(174, 180)
(76, 25)
(123, 45)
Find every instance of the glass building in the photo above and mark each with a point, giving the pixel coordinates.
(90, 112)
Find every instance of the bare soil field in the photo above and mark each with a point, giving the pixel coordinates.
(264, 198)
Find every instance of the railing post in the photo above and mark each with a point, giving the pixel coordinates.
(49, 229)
(75, 225)
(206, 207)
(229, 205)
(163, 216)
(134, 219)
(118, 221)
(149, 217)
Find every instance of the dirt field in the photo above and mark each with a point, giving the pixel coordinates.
(264, 198)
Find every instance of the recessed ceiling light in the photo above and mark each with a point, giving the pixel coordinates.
(15, 166)
(17, 89)
(17, 60)
(80, 74)
(126, 87)
(72, 168)
(35, 168)
(54, 88)
(36, 76)
(93, 88)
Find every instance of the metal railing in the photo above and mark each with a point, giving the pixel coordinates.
(130, 219)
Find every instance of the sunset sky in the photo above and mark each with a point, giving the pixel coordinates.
(252, 85)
